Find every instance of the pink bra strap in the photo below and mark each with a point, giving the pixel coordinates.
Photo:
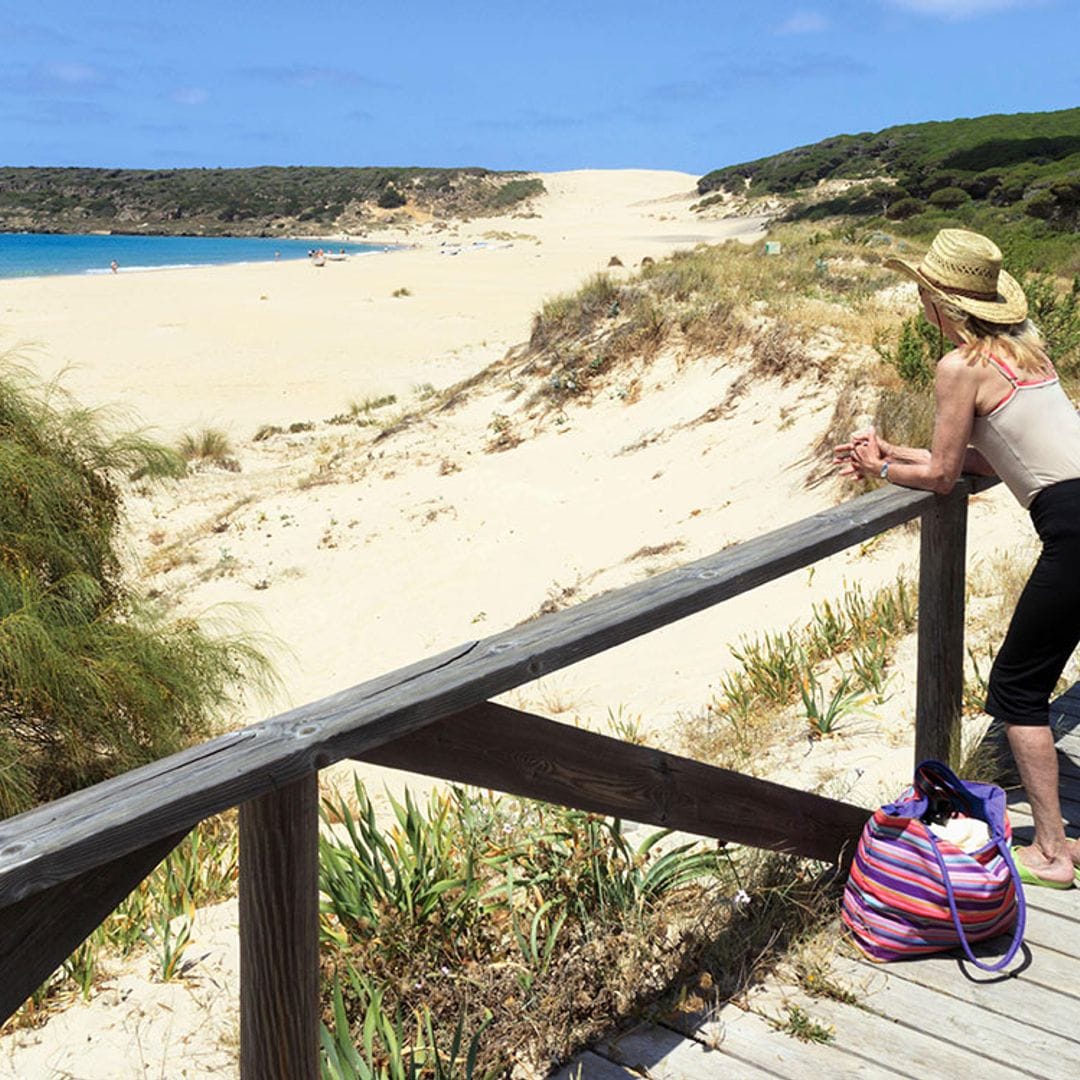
(1004, 369)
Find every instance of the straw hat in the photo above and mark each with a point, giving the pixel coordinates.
(964, 268)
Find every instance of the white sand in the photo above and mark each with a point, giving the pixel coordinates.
(363, 556)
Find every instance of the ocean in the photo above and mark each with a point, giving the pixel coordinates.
(40, 254)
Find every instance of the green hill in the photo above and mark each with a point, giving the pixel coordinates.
(245, 202)
(1005, 167)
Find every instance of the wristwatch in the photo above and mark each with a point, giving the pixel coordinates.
(884, 474)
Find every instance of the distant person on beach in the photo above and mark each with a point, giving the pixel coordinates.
(114, 266)
(1000, 411)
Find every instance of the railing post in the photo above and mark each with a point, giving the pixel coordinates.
(939, 690)
(279, 934)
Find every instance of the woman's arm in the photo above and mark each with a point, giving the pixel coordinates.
(938, 468)
(974, 462)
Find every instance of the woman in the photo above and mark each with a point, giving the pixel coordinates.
(1001, 411)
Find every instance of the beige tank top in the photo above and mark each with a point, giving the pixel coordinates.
(1031, 437)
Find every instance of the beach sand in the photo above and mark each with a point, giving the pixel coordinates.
(361, 556)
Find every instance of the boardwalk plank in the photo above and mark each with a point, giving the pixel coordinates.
(739, 1043)
(991, 1034)
(1020, 814)
(916, 1050)
(1051, 931)
(590, 1066)
(1042, 1008)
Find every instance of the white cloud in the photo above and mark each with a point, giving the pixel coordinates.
(803, 22)
(190, 95)
(959, 9)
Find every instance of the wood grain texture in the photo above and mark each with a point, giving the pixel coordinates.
(39, 933)
(736, 1044)
(493, 746)
(279, 934)
(940, 679)
(590, 1066)
(63, 839)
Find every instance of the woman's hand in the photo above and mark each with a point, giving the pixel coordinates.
(862, 457)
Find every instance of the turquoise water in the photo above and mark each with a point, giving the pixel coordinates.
(38, 254)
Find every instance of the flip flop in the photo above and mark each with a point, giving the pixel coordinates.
(1029, 877)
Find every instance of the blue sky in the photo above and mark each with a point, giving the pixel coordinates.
(681, 84)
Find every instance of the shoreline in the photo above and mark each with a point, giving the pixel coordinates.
(293, 253)
(278, 342)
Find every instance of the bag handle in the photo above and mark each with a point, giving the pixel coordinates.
(935, 777)
(1021, 906)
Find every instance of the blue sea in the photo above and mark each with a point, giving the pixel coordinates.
(39, 254)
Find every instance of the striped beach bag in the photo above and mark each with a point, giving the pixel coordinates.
(911, 892)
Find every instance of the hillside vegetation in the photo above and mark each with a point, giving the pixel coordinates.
(1017, 172)
(246, 202)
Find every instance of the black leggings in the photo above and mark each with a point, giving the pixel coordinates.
(1045, 627)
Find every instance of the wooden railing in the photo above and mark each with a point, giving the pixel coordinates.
(66, 865)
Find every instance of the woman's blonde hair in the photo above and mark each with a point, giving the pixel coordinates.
(1021, 343)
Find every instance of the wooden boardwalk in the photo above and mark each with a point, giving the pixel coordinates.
(926, 1019)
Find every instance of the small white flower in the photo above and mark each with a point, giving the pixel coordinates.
(740, 899)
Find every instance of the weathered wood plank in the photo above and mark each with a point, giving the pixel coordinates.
(915, 1050)
(1020, 815)
(1048, 931)
(497, 747)
(1068, 746)
(993, 1034)
(56, 841)
(39, 933)
(750, 1040)
(940, 677)
(59, 841)
(590, 1066)
(1042, 1008)
(747, 1045)
(279, 933)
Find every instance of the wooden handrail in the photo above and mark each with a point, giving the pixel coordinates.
(61, 839)
(89, 848)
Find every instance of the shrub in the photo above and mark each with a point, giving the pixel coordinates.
(574, 314)
(477, 909)
(1058, 316)
(516, 191)
(92, 681)
(904, 208)
(390, 198)
(948, 198)
(915, 354)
